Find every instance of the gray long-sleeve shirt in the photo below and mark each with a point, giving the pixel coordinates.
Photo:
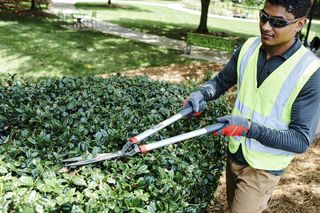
(305, 113)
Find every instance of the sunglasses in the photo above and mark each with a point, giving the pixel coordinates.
(275, 22)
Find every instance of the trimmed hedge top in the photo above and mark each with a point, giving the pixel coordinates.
(44, 122)
(217, 42)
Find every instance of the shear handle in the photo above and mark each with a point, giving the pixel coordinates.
(138, 138)
(183, 113)
(182, 137)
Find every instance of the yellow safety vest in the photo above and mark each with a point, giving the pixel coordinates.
(270, 104)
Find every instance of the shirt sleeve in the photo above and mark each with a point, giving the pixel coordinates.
(305, 116)
(225, 79)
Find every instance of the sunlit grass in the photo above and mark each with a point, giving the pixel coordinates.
(37, 48)
(163, 14)
(174, 31)
(159, 19)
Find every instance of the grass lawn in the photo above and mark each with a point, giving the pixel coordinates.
(161, 20)
(36, 48)
(139, 13)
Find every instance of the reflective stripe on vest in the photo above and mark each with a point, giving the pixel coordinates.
(292, 75)
(247, 56)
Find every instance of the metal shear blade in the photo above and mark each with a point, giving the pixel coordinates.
(78, 161)
(80, 158)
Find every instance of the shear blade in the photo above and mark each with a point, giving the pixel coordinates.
(80, 158)
(100, 157)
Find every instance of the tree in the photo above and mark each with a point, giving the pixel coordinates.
(109, 2)
(34, 5)
(203, 28)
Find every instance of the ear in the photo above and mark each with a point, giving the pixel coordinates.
(300, 24)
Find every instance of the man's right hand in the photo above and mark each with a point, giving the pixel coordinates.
(196, 101)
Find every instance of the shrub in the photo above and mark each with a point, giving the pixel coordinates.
(217, 42)
(49, 120)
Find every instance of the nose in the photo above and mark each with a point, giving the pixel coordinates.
(265, 26)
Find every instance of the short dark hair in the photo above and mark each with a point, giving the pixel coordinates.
(298, 8)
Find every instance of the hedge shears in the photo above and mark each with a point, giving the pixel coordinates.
(132, 146)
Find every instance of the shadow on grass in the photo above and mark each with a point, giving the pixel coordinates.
(45, 49)
(174, 31)
(105, 6)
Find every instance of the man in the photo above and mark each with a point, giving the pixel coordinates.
(277, 106)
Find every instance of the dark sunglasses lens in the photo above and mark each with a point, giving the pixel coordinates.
(278, 23)
(263, 17)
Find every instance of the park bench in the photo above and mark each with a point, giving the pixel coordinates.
(222, 43)
(91, 20)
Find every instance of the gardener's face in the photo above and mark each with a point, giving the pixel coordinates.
(278, 27)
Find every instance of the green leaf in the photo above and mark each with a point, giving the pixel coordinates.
(79, 181)
(141, 210)
(98, 136)
(111, 181)
(141, 195)
(39, 208)
(152, 207)
(31, 140)
(143, 169)
(3, 170)
(32, 197)
(44, 188)
(25, 181)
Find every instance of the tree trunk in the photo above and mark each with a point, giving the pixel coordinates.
(109, 2)
(33, 5)
(203, 28)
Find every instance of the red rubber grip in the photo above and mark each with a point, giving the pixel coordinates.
(133, 140)
(143, 149)
(184, 103)
(197, 114)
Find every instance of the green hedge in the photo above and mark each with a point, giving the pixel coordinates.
(44, 122)
(224, 43)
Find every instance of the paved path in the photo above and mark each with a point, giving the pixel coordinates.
(114, 29)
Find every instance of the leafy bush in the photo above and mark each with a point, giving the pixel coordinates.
(44, 122)
(223, 42)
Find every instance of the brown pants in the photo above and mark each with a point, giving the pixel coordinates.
(248, 190)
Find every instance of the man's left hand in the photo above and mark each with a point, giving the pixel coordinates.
(235, 125)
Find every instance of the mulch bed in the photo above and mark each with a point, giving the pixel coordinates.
(176, 73)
